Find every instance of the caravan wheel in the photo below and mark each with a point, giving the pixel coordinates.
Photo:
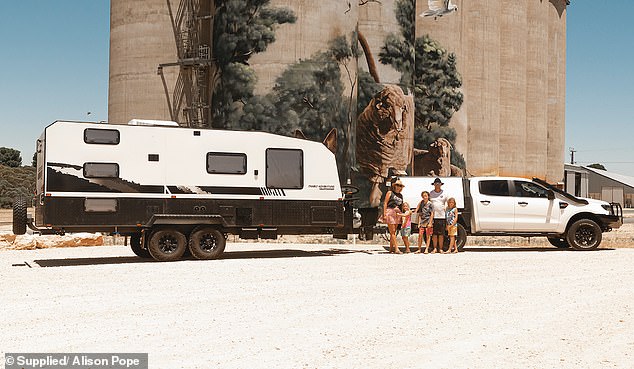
(207, 243)
(137, 249)
(167, 245)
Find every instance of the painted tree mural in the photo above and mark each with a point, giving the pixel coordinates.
(310, 96)
(242, 28)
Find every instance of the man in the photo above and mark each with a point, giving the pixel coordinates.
(438, 199)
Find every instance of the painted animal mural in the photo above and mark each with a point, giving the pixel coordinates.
(435, 162)
(385, 131)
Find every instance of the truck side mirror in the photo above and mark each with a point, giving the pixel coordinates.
(551, 195)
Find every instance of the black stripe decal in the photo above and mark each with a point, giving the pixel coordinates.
(62, 182)
(216, 190)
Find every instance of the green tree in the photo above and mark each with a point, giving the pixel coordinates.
(15, 182)
(242, 28)
(597, 166)
(431, 73)
(398, 50)
(10, 157)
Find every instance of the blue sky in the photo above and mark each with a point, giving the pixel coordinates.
(600, 84)
(54, 65)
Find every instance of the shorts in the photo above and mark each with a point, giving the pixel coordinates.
(439, 227)
(406, 232)
(425, 230)
(391, 217)
(452, 230)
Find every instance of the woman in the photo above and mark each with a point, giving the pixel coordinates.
(391, 212)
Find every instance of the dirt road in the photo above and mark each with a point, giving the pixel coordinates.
(310, 306)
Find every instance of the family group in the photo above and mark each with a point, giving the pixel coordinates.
(436, 213)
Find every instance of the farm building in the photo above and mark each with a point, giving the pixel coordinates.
(599, 184)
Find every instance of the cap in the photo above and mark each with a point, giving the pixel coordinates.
(437, 180)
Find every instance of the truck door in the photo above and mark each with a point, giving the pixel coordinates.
(494, 206)
(534, 212)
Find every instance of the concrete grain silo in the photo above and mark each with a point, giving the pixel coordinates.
(141, 38)
(511, 55)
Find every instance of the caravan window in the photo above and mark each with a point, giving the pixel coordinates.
(226, 163)
(101, 170)
(284, 168)
(101, 136)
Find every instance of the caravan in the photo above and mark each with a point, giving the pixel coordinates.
(172, 188)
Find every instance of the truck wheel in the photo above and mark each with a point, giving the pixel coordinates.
(461, 239)
(167, 245)
(584, 234)
(135, 245)
(560, 243)
(19, 216)
(207, 243)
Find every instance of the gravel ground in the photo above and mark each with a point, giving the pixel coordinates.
(314, 306)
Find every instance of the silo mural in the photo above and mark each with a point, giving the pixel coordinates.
(478, 91)
(511, 56)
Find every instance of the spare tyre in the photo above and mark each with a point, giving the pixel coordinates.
(19, 216)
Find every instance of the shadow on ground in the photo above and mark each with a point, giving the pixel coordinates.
(524, 249)
(267, 254)
(260, 254)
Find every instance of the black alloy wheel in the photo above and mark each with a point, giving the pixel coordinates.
(167, 245)
(207, 243)
(584, 234)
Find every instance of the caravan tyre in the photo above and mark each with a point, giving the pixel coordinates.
(167, 245)
(137, 249)
(207, 243)
(19, 216)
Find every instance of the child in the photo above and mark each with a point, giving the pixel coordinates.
(452, 224)
(406, 225)
(425, 221)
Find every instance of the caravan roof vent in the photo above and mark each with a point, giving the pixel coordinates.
(150, 122)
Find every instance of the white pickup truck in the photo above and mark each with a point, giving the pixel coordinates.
(521, 207)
